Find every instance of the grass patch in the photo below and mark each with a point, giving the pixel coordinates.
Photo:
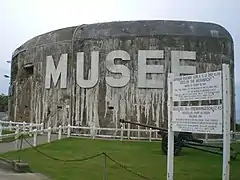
(238, 127)
(10, 138)
(143, 157)
(7, 131)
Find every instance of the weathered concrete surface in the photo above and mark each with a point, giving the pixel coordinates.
(5, 170)
(31, 102)
(3, 116)
(6, 175)
(6, 147)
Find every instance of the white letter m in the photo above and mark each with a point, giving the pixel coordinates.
(55, 73)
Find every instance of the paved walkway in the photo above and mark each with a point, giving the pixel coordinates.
(7, 175)
(5, 169)
(41, 139)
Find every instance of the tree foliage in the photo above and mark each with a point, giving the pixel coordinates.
(3, 99)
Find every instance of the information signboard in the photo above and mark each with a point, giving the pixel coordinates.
(210, 119)
(197, 119)
(204, 86)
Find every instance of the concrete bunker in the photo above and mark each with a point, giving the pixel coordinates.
(100, 104)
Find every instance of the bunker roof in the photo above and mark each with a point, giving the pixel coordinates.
(127, 29)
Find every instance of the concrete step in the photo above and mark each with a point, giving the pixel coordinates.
(5, 175)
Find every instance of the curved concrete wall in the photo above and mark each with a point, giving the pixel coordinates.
(70, 76)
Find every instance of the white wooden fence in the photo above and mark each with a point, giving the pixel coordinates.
(30, 129)
(93, 132)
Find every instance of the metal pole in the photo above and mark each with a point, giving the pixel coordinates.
(16, 136)
(105, 168)
(170, 153)
(20, 149)
(1, 131)
(226, 122)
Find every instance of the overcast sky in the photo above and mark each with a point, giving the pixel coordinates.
(23, 19)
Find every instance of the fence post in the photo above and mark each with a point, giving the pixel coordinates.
(35, 137)
(206, 137)
(59, 132)
(10, 126)
(128, 133)
(69, 130)
(41, 128)
(105, 167)
(150, 134)
(91, 131)
(49, 134)
(94, 131)
(138, 132)
(30, 129)
(24, 127)
(1, 131)
(16, 136)
(121, 133)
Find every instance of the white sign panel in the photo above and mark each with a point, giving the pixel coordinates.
(204, 86)
(197, 119)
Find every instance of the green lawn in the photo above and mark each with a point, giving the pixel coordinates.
(143, 157)
(7, 132)
(238, 127)
(10, 138)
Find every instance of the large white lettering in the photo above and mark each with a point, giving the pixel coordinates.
(123, 79)
(55, 73)
(120, 69)
(143, 68)
(176, 56)
(93, 74)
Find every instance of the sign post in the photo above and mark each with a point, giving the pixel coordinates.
(226, 123)
(205, 119)
(170, 153)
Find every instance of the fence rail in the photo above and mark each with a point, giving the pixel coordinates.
(17, 129)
